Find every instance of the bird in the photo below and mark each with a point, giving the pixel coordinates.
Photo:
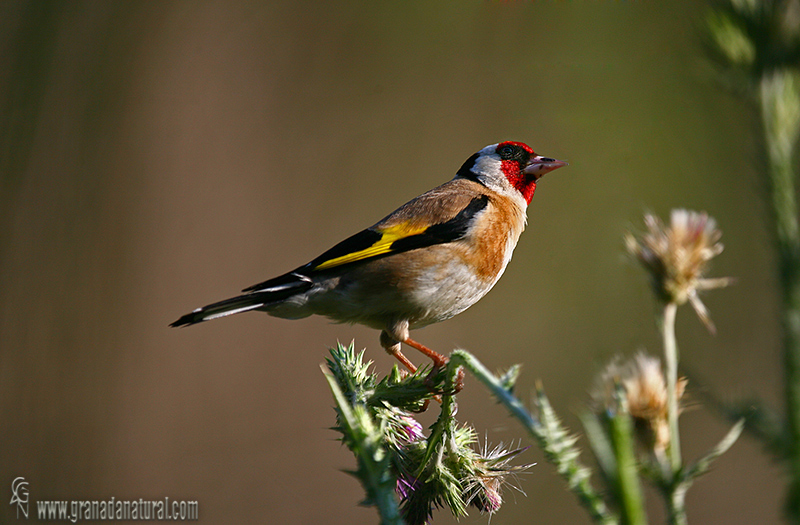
(427, 261)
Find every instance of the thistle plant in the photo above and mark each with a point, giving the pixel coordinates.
(676, 258)
(755, 45)
(405, 474)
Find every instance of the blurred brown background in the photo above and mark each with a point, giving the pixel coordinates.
(157, 156)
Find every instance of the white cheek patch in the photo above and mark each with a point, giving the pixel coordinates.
(488, 165)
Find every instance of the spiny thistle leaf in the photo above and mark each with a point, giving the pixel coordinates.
(509, 379)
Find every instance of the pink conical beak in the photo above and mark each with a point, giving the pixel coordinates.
(539, 165)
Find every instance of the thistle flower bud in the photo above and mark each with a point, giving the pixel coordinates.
(677, 256)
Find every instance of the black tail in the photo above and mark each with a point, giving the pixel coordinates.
(231, 306)
(266, 293)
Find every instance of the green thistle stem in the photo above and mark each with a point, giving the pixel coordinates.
(671, 358)
(628, 489)
(779, 101)
(677, 504)
(675, 491)
(769, 32)
(442, 438)
(518, 410)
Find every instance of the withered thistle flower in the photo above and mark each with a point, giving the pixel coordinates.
(677, 257)
(484, 489)
(646, 397)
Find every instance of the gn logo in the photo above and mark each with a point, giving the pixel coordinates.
(19, 495)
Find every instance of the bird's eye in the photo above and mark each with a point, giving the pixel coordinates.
(506, 152)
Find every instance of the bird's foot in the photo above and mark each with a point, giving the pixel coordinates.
(433, 379)
(425, 404)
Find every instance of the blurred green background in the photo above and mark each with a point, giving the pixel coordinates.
(157, 156)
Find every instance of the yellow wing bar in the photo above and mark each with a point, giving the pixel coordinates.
(380, 247)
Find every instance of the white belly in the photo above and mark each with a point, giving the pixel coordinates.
(446, 291)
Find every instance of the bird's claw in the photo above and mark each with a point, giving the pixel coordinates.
(432, 379)
(423, 407)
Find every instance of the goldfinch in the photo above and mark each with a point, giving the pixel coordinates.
(426, 262)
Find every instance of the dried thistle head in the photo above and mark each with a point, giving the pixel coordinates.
(677, 257)
(484, 490)
(645, 391)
